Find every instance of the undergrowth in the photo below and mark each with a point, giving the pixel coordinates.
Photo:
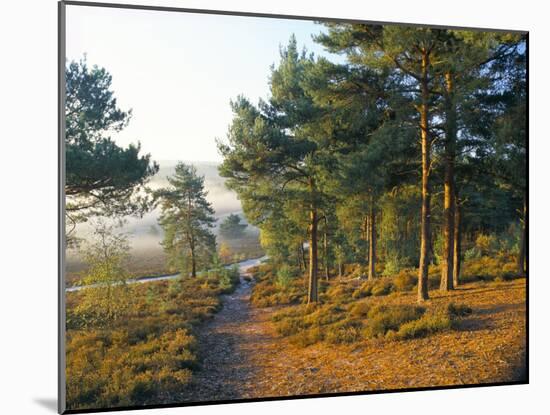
(147, 351)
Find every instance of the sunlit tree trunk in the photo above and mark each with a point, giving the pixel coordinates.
(449, 191)
(425, 212)
(325, 251)
(372, 243)
(312, 296)
(523, 242)
(457, 243)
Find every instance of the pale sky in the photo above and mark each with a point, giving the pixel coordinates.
(178, 71)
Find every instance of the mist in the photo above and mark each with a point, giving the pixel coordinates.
(145, 234)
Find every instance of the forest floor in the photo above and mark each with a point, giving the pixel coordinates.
(243, 356)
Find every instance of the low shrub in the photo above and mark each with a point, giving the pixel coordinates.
(424, 326)
(308, 324)
(383, 318)
(405, 280)
(345, 331)
(307, 337)
(488, 268)
(283, 288)
(364, 290)
(338, 292)
(458, 310)
(360, 309)
(381, 287)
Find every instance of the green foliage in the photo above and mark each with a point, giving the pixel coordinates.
(501, 267)
(232, 227)
(285, 275)
(426, 325)
(399, 229)
(101, 178)
(105, 255)
(228, 277)
(405, 280)
(435, 320)
(383, 318)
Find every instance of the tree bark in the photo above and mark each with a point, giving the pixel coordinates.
(192, 253)
(312, 296)
(372, 243)
(425, 211)
(457, 243)
(449, 191)
(193, 264)
(523, 242)
(325, 251)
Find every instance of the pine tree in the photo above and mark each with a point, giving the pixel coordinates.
(101, 178)
(187, 218)
(288, 151)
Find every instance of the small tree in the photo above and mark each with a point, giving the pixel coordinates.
(106, 256)
(225, 252)
(232, 228)
(187, 218)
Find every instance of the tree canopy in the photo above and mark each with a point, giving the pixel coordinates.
(101, 178)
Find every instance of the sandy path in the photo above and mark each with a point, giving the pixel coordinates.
(227, 344)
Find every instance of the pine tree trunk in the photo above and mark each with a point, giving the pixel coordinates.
(449, 190)
(372, 243)
(193, 261)
(457, 243)
(312, 286)
(340, 269)
(523, 242)
(366, 227)
(425, 212)
(325, 252)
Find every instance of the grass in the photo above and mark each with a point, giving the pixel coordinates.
(145, 352)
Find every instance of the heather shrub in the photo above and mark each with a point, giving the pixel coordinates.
(405, 280)
(148, 351)
(383, 318)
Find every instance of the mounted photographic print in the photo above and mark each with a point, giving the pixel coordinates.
(260, 207)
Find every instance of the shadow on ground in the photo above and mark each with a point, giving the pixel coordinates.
(48, 403)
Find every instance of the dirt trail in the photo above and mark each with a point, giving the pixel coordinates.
(243, 357)
(228, 343)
